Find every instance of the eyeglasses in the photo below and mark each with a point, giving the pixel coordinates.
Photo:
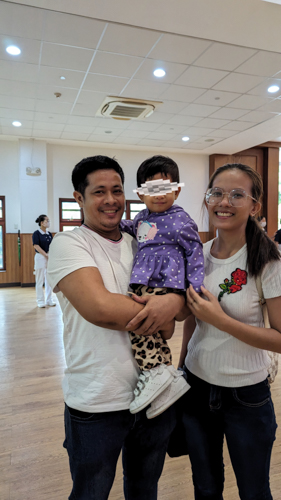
(236, 197)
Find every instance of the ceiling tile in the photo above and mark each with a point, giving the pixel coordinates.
(58, 127)
(184, 120)
(12, 70)
(263, 64)
(173, 70)
(30, 49)
(224, 56)
(46, 134)
(47, 92)
(248, 102)
(109, 64)
(171, 107)
(198, 131)
(261, 90)
(107, 138)
(6, 122)
(239, 126)
(103, 83)
(157, 117)
(127, 40)
(112, 123)
(17, 103)
(150, 143)
(236, 82)
(84, 121)
(224, 134)
(62, 56)
(83, 129)
(274, 106)
(212, 123)
(53, 107)
(17, 114)
(85, 109)
(74, 136)
(215, 97)
(199, 110)
(229, 114)
(21, 21)
(181, 93)
(72, 30)
(257, 116)
(50, 117)
(161, 136)
(92, 99)
(201, 77)
(17, 131)
(51, 76)
(140, 134)
(141, 89)
(142, 125)
(176, 129)
(179, 49)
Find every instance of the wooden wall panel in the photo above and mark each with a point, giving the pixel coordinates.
(12, 272)
(27, 259)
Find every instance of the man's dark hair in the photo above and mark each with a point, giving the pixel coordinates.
(89, 165)
(155, 165)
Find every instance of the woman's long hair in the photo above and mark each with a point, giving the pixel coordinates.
(260, 248)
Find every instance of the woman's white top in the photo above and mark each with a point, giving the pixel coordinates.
(216, 356)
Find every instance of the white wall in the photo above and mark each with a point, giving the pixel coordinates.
(194, 172)
(27, 197)
(9, 183)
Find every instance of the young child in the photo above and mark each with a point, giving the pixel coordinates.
(169, 257)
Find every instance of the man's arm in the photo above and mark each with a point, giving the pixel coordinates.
(85, 290)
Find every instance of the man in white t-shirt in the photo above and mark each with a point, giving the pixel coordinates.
(89, 268)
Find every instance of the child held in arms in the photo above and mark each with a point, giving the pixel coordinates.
(168, 259)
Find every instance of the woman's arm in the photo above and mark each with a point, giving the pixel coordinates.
(188, 329)
(40, 250)
(211, 312)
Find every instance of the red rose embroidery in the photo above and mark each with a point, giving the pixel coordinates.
(238, 278)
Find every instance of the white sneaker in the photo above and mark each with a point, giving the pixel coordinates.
(174, 391)
(41, 305)
(51, 304)
(151, 383)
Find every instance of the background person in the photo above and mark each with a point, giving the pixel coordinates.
(227, 361)
(41, 240)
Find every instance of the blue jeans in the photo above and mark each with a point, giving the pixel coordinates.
(245, 416)
(94, 442)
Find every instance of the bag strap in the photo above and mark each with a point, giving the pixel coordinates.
(259, 289)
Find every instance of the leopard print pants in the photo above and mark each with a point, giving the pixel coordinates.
(152, 350)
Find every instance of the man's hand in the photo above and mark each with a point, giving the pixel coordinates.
(159, 310)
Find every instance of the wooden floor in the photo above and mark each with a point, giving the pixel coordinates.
(33, 463)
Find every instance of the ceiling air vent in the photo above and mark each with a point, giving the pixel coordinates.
(126, 109)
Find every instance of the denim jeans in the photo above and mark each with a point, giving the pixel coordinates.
(245, 416)
(94, 442)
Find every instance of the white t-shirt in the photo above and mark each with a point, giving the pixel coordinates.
(101, 371)
(214, 355)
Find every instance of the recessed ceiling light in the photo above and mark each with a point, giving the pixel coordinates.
(17, 124)
(159, 73)
(13, 50)
(209, 140)
(62, 77)
(185, 139)
(273, 88)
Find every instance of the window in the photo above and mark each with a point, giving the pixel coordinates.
(2, 233)
(133, 207)
(71, 215)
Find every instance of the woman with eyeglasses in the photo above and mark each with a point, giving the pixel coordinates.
(227, 361)
(41, 240)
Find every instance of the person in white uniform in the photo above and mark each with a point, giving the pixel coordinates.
(89, 268)
(41, 240)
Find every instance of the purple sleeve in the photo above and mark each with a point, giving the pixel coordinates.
(189, 239)
(127, 226)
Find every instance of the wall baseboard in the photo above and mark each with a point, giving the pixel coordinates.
(23, 285)
(7, 285)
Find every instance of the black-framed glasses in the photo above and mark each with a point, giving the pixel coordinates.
(236, 197)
